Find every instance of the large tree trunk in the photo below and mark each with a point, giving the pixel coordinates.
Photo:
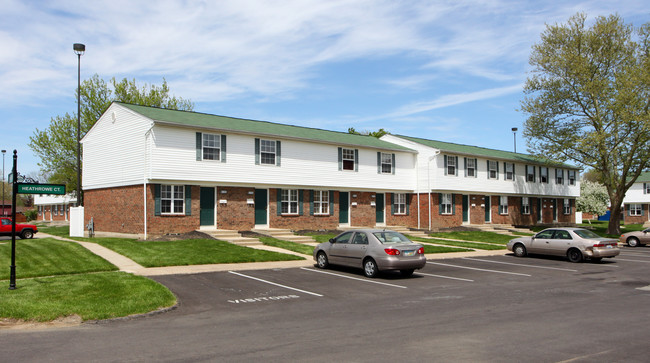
(614, 227)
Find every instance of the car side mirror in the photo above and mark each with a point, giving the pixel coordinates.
(332, 240)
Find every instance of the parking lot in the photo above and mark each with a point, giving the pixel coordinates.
(496, 308)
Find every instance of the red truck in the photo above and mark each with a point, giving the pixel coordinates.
(25, 231)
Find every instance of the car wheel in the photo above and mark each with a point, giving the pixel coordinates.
(596, 259)
(321, 260)
(574, 255)
(633, 242)
(27, 234)
(519, 250)
(407, 273)
(370, 268)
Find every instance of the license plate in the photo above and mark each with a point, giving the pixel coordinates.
(409, 253)
(609, 246)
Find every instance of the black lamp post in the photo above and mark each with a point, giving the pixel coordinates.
(514, 131)
(79, 49)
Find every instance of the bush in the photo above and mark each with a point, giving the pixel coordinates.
(31, 214)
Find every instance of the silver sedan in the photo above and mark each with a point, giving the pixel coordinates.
(574, 243)
(373, 250)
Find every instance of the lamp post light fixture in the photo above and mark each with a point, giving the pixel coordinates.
(79, 49)
(3, 182)
(514, 131)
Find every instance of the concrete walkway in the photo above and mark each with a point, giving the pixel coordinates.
(127, 265)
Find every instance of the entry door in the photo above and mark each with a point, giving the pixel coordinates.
(207, 206)
(554, 205)
(379, 204)
(540, 215)
(261, 205)
(488, 209)
(465, 208)
(344, 208)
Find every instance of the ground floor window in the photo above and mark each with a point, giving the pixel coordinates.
(172, 199)
(567, 206)
(321, 202)
(525, 205)
(289, 201)
(503, 204)
(636, 210)
(400, 203)
(446, 204)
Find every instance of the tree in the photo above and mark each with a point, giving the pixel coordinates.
(593, 198)
(379, 133)
(56, 146)
(587, 101)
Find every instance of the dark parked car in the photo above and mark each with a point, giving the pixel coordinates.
(373, 250)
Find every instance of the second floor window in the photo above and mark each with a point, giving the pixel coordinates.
(386, 163)
(347, 159)
(267, 152)
(571, 175)
(493, 169)
(451, 165)
(211, 147)
(530, 173)
(559, 176)
(470, 167)
(543, 174)
(509, 172)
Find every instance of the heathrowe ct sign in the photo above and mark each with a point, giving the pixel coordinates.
(33, 188)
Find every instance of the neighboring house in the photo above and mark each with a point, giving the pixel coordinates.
(54, 207)
(637, 201)
(5, 208)
(157, 171)
(474, 185)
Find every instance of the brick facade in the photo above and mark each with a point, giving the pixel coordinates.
(629, 219)
(236, 214)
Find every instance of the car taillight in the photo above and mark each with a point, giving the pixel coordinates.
(392, 251)
(421, 251)
(600, 245)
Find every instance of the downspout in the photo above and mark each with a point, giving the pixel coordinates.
(417, 186)
(431, 158)
(144, 184)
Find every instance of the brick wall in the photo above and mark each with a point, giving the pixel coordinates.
(363, 214)
(628, 219)
(408, 220)
(304, 221)
(236, 214)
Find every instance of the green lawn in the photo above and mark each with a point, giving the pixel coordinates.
(475, 236)
(600, 228)
(288, 245)
(92, 296)
(319, 237)
(441, 249)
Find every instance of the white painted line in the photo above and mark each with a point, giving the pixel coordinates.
(479, 269)
(645, 288)
(353, 278)
(273, 283)
(518, 264)
(622, 259)
(445, 277)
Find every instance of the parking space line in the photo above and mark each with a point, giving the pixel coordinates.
(445, 277)
(353, 278)
(622, 259)
(479, 269)
(273, 283)
(518, 264)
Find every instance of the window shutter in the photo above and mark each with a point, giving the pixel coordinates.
(456, 168)
(311, 201)
(300, 199)
(340, 158)
(156, 198)
(644, 188)
(439, 203)
(378, 162)
(257, 151)
(277, 153)
(513, 171)
(408, 202)
(392, 203)
(476, 168)
(392, 166)
(199, 146)
(534, 174)
(445, 157)
(279, 202)
(488, 169)
(356, 159)
(453, 204)
(188, 200)
(331, 202)
(497, 170)
(465, 165)
(223, 148)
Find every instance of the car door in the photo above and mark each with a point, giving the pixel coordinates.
(338, 249)
(541, 242)
(560, 243)
(357, 249)
(644, 237)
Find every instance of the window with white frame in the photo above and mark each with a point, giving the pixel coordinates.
(559, 176)
(530, 173)
(571, 175)
(509, 172)
(567, 206)
(347, 156)
(400, 203)
(267, 152)
(525, 205)
(289, 201)
(386, 163)
(451, 165)
(543, 174)
(470, 166)
(321, 202)
(493, 169)
(646, 188)
(446, 204)
(172, 199)
(211, 147)
(503, 204)
(636, 210)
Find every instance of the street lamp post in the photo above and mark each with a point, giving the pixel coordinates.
(514, 132)
(79, 49)
(3, 182)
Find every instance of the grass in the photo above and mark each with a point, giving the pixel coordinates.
(288, 245)
(474, 246)
(441, 249)
(319, 237)
(600, 228)
(475, 236)
(94, 296)
(61, 231)
(48, 257)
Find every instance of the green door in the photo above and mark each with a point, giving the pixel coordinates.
(488, 209)
(465, 208)
(207, 206)
(554, 204)
(380, 208)
(540, 217)
(344, 207)
(260, 206)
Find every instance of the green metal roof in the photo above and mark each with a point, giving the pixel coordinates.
(644, 177)
(238, 125)
(481, 151)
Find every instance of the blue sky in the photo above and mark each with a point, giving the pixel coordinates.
(443, 70)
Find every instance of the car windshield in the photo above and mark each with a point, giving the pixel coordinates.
(585, 233)
(390, 237)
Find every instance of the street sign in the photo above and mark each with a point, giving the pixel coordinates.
(35, 188)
